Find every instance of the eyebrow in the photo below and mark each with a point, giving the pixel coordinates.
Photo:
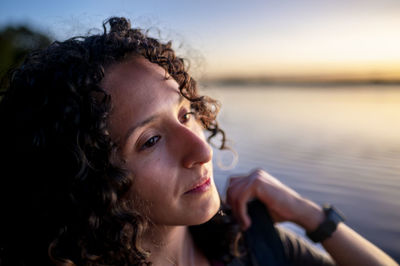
(147, 121)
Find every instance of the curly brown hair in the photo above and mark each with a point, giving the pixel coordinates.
(61, 197)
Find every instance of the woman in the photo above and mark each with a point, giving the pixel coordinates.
(104, 162)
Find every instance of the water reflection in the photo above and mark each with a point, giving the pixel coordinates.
(339, 145)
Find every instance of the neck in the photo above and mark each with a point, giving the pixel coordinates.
(170, 245)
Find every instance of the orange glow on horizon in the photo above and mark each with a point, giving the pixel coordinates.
(347, 70)
(362, 47)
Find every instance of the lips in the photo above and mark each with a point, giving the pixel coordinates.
(201, 186)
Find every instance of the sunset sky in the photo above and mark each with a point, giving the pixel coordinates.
(342, 38)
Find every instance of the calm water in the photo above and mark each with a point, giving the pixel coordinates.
(336, 144)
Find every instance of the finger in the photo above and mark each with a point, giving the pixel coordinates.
(276, 217)
(232, 198)
(235, 179)
(245, 220)
(233, 189)
(241, 207)
(228, 186)
(230, 192)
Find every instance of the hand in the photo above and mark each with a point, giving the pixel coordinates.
(283, 203)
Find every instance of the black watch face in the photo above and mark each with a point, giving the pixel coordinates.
(329, 226)
(325, 230)
(335, 216)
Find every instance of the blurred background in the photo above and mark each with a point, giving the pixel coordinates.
(310, 90)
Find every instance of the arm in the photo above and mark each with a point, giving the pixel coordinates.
(345, 246)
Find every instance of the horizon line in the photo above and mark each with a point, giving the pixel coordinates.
(299, 81)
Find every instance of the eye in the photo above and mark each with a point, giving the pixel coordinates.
(186, 117)
(150, 142)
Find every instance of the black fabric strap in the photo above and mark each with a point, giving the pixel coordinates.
(263, 240)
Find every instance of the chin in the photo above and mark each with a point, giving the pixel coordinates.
(209, 209)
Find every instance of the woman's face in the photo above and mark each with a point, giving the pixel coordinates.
(161, 143)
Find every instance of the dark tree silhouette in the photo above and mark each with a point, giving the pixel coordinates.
(16, 43)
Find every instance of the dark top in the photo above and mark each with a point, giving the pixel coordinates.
(299, 252)
(270, 245)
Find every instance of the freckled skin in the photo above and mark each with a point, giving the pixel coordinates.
(167, 156)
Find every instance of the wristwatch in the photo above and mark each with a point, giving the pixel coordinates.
(332, 218)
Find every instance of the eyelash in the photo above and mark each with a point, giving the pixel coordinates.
(153, 140)
(150, 142)
(186, 117)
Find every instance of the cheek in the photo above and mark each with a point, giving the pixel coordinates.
(147, 193)
(153, 182)
(147, 186)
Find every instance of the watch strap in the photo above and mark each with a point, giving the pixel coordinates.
(332, 218)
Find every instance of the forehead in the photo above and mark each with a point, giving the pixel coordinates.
(138, 81)
(135, 75)
(138, 88)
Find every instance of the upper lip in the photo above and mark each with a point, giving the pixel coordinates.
(199, 183)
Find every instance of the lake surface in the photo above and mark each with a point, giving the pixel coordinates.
(333, 144)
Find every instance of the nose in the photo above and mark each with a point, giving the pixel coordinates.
(194, 147)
